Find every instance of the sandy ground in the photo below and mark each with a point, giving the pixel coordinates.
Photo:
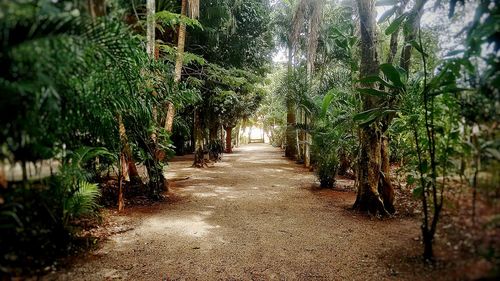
(254, 216)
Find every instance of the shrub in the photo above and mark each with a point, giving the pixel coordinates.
(326, 170)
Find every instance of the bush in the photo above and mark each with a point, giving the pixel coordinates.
(215, 149)
(37, 217)
(326, 170)
(36, 224)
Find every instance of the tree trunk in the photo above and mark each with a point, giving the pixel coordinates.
(428, 240)
(393, 45)
(97, 8)
(132, 173)
(150, 31)
(123, 172)
(307, 144)
(238, 129)
(199, 154)
(3, 177)
(229, 148)
(212, 132)
(213, 137)
(122, 177)
(24, 172)
(181, 41)
(411, 34)
(157, 181)
(386, 189)
(369, 162)
(368, 197)
(307, 153)
(291, 147)
(300, 136)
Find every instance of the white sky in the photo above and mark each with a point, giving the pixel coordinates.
(280, 56)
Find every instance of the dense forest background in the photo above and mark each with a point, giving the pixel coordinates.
(97, 96)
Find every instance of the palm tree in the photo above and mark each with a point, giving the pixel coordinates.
(300, 14)
(194, 9)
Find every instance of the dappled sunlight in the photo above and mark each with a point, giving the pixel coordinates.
(214, 172)
(205, 194)
(249, 140)
(193, 226)
(222, 189)
(267, 161)
(224, 164)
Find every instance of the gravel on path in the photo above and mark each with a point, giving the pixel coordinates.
(253, 216)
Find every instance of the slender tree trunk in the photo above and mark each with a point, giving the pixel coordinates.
(229, 147)
(199, 157)
(128, 169)
(238, 129)
(97, 8)
(300, 136)
(132, 172)
(307, 144)
(157, 181)
(181, 41)
(386, 189)
(3, 177)
(24, 172)
(411, 33)
(122, 176)
(123, 172)
(213, 136)
(369, 162)
(291, 141)
(393, 45)
(150, 29)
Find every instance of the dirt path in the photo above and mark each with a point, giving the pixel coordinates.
(254, 216)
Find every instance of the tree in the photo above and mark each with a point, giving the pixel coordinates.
(98, 75)
(239, 42)
(194, 6)
(286, 18)
(383, 194)
(368, 197)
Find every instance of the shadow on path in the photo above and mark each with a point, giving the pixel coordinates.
(252, 216)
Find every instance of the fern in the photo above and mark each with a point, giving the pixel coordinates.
(82, 202)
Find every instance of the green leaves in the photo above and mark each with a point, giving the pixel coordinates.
(417, 46)
(417, 192)
(187, 57)
(395, 25)
(173, 19)
(327, 100)
(375, 79)
(82, 202)
(372, 92)
(393, 74)
(367, 117)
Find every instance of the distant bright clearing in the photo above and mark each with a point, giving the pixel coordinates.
(255, 133)
(280, 56)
